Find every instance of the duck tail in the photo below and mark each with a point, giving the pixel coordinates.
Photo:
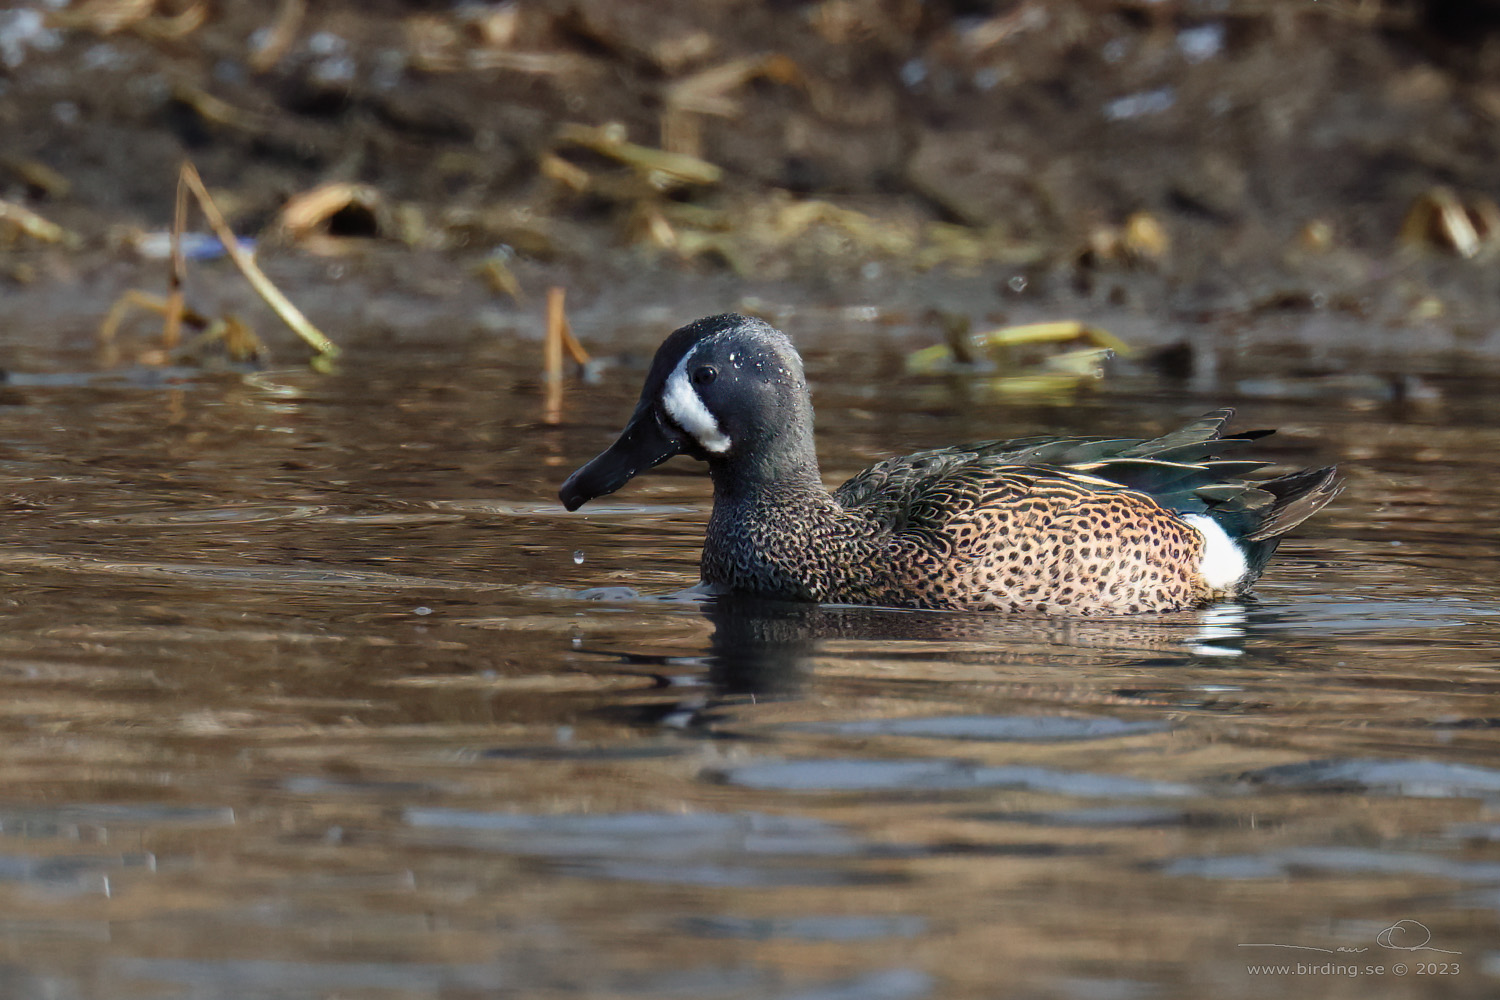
(1255, 517)
(1299, 496)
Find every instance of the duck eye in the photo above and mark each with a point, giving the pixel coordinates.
(705, 375)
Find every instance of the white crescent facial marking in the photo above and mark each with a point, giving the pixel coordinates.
(685, 406)
(1223, 564)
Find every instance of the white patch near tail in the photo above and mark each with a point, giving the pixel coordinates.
(685, 406)
(1223, 564)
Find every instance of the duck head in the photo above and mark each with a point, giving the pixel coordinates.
(728, 390)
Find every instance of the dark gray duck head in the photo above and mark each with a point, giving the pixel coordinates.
(727, 390)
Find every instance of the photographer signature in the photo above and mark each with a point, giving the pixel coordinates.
(1403, 935)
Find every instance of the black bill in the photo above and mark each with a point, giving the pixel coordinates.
(646, 442)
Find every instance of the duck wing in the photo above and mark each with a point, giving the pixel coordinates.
(1170, 468)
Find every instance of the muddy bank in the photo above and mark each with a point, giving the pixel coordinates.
(1226, 173)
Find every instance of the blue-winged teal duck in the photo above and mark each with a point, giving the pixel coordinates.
(1041, 524)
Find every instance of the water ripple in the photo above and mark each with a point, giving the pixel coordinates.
(844, 775)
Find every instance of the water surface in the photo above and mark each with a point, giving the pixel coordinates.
(301, 697)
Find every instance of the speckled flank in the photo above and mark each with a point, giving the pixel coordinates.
(1008, 539)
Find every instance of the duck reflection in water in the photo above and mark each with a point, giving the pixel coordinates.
(764, 648)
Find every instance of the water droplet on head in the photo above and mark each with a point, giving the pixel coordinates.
(1017, 283)
(421, 611)
(578, 557)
